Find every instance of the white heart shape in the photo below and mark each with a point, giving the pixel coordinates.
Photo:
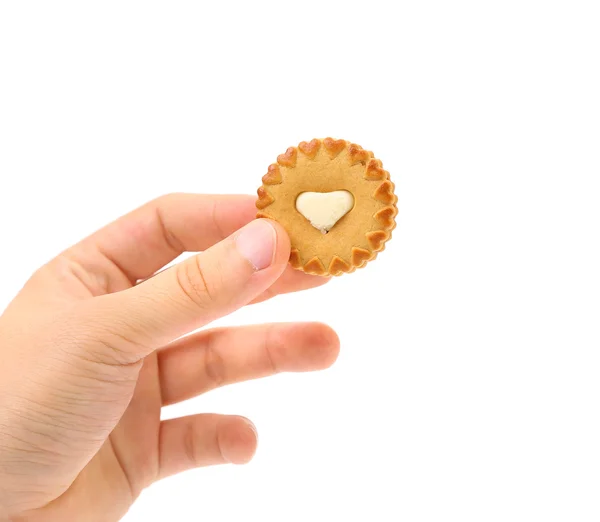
(324, 209)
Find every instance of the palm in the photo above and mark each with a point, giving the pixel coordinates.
(135, 440)
(131, 454)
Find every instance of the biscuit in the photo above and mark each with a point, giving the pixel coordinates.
(331, 233)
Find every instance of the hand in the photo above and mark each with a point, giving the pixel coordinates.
(92, 348)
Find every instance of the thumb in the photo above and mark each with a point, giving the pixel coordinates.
(192, 293)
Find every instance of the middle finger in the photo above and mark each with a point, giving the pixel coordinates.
(201, 362)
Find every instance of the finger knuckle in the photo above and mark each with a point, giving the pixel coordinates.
(215, 367)
(191, 280)
(274, 343)
(170, 198)
(190, 444)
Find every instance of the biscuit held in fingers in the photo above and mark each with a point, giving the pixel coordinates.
(336, 202)
(138, 245)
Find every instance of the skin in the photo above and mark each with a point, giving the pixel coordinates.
(95, 344)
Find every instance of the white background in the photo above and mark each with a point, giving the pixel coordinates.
(468, 386)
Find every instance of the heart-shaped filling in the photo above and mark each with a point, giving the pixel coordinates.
(324, 209)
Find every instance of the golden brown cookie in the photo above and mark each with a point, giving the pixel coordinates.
(329, 166)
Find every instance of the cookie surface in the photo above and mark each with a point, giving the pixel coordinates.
(322, 167)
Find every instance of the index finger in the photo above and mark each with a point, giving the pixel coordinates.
(146, 239)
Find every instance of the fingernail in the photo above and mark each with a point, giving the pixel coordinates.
(256, 242)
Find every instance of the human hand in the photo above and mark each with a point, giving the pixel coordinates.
(90, 351)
